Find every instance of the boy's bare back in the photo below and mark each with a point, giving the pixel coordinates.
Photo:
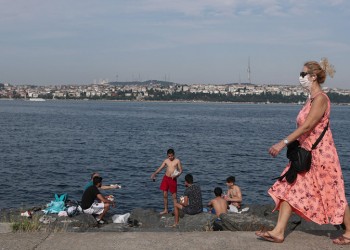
(220, 205)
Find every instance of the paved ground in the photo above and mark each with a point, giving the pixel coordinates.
(168, 240)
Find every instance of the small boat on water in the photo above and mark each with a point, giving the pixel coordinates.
(36, 99)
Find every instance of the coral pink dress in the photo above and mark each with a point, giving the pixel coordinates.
(319, 194)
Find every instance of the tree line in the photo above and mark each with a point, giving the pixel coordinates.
(207, 97)
(155, 95)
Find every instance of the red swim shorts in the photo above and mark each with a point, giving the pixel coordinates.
(168, 183)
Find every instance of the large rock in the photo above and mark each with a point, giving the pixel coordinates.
(150, 220)
(145, 218)
(256, 218)
(79, 223)
(52, 222)
(198, 222)
(261, 216)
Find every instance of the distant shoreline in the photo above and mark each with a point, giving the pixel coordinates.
(172, 101)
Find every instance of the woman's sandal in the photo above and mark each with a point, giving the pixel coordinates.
(265, 235)
(342, 240)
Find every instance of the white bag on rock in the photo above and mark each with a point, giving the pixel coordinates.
(120, 218)
(233, 209)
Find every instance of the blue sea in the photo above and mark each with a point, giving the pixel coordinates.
(53, 147)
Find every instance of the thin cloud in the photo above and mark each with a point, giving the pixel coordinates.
(17, 10)
(213, 8)
(61, 32)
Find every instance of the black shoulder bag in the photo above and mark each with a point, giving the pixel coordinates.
(299, 158)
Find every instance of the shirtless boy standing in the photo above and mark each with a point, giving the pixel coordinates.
(218, 204)
(234, 195)
(169, 182)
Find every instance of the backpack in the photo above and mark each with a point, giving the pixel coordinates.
(62, 197)
(57, 205)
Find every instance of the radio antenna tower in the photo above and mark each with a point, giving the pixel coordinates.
(248, 70)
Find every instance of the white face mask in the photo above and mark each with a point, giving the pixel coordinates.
(305, 83)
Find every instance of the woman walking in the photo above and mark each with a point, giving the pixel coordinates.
(317, 195)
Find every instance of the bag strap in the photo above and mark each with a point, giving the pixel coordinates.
(320, 137)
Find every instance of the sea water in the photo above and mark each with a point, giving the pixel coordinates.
(53, 147)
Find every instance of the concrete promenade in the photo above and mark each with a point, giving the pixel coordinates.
(168, 240)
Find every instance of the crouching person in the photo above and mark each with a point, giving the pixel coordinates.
(90, 206)
(191, 202)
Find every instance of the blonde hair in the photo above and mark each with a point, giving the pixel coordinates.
(320, 69)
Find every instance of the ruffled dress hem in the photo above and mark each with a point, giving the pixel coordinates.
(299, 213)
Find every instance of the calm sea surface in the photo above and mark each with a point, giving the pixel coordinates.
(53, 147)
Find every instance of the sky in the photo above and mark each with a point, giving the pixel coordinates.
(50, 42)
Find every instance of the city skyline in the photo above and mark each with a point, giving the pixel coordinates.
(186, 42)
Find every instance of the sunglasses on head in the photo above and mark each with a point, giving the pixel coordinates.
(303, 74)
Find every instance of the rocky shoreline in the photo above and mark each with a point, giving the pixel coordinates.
(148, 220)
